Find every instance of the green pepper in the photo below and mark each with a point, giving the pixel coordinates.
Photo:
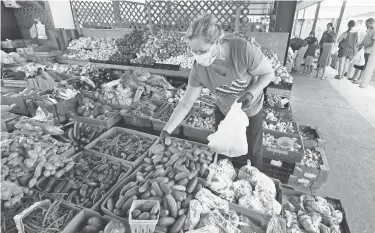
(83, 190)
(71, 195)
(60, 186)
(50, 183)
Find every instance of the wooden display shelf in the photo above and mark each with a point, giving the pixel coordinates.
(170, 73)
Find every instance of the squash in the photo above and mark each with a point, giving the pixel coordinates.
(114, 226)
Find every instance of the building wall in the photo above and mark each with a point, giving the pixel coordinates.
(9, 28)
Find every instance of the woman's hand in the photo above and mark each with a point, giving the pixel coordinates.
(183, 108)
(245, 98)
(163, 135)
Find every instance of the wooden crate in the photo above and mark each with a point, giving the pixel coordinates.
(318, 141)
(96, 206)
(109, 123)
(114, 131)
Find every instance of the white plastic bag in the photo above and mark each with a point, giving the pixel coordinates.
(41, 28)
(359, 58)
(230, 138)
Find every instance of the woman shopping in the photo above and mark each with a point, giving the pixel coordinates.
(231, 68)
(325, 57)
(330, 31)
(347, 48)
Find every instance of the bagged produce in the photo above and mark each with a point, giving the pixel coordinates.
(206, 229)
(218, 180)
(196, 208)
(274, 226)
(215, 218)
(212, 201)
(247, 226)
(260, 180)
(230, 138)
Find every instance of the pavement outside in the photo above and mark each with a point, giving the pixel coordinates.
(345, 114)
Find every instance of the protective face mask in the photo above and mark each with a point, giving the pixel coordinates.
(207, 58)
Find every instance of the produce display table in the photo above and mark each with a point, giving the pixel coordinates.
(169, 73)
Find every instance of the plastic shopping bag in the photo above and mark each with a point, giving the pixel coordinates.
(359, 58)
(230, 138)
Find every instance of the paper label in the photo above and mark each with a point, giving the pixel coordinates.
(276, 163)
(277, 150)
(303, 181)
(298, 169)
(309, 175)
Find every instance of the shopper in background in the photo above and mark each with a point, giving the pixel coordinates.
(313, 45)
(347, 48)
(330, 31)
(366, 44)
(220, 64)
(325, 57)
(299, 56)
(296, 43)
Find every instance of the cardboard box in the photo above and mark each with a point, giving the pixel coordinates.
(13, 44)
(21, 51)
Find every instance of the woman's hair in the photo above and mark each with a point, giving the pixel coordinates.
(351, 24)
(205, 26)
(370, 20)
(330, 38)
(312, 33)
(331, 25)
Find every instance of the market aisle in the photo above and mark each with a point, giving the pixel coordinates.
(350, 148)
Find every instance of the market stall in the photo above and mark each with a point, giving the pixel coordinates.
(80, 147)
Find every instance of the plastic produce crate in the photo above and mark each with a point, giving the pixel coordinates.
(109, 123)
(159, 125)
(311, 177)
(277, 169)
(189, 131)
(280, 154)
(317, 141)
(115, 131)
(96, 206)
(20, 101)
(288, 192)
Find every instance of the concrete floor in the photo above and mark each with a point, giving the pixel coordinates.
(345, 114)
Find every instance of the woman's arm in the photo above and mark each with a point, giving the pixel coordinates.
(265, 75)
(183, 108)
(342, 37)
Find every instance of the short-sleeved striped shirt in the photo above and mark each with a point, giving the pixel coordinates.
(244, 58)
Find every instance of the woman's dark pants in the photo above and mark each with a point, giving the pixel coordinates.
(254, 135)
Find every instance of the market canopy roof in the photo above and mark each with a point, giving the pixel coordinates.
(302, 4)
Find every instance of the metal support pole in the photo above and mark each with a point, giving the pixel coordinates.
(316, 17)
(295, 24)
(117, 13)
(370, 67)
(303, 21)
(150, 26)
(340, 18)
(237, 24)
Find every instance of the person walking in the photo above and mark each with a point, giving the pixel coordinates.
(347, 48)
(325, 57)
(330, 30)
(232, 68)
(366, 44)
(299, 57)
(313, 45)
